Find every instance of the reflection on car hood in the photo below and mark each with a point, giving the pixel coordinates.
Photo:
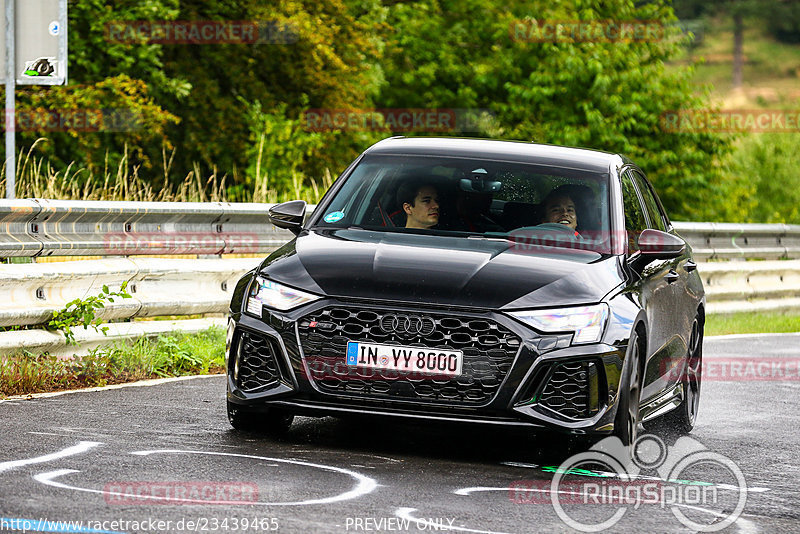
(457, 271)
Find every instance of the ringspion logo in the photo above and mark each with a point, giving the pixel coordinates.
(618, 478)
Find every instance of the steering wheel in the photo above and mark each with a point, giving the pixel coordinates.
(556, 226)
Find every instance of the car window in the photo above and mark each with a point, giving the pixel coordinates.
(650, 204)
(634, 214)
(472, 196)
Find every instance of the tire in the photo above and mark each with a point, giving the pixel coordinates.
(272, 422)
(626, 421)
(682, 419)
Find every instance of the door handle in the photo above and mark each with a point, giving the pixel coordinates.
(671, 276)
(690, 266)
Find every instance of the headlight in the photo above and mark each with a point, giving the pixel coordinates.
(273, 295)
(586, 322)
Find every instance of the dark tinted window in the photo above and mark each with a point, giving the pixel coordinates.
(650, 204)
(634, 214)
(474, 196)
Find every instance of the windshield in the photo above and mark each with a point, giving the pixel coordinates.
(534, 205)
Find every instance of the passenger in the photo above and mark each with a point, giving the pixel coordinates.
(420, 202)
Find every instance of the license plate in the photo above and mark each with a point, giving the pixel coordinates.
(418, 359)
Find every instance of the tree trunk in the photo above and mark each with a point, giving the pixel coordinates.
(738, 60)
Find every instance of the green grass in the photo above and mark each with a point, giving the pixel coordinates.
(36, 178)
(752, 323)
(169, 355)
(771, 72)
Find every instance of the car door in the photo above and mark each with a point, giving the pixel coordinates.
(652, 288)
(672, 316)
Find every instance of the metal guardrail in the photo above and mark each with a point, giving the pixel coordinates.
(30, 293)
(741, 241)
(35, 228)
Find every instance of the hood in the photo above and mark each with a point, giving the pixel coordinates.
(440, 270)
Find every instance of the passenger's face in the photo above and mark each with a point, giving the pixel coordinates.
(561, 210)
(425, 211)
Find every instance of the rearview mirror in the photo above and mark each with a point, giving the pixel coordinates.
(288, 215)
(479, 185)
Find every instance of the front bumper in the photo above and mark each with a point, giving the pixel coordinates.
(512, 375)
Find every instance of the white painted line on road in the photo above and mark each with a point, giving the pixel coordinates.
(365, 484)
(521, 464)
(745, 526)
(81, 447)
(741, 336)
(140, 383)
(426, 524)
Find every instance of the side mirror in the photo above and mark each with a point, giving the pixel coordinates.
(288, 215)
(658, 245)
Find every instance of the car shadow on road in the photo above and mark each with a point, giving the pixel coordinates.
(486, 444)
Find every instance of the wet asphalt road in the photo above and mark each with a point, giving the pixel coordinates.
(66, 458)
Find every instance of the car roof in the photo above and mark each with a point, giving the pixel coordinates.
(523, 152)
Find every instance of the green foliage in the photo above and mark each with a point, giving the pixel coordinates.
(755, 323)
(605, 95)
(106, 123)
(83, 312)
(174, 355)
(329, 63)
(125, 82)
(765, 165)
(783, 21)
(279, 146)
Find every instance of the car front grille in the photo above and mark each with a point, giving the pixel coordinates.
(572, 390)
(257, 364)
(489, 350)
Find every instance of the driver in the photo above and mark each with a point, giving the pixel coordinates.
(420, 202)
(560, 208)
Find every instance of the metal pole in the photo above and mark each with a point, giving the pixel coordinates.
(11, 104)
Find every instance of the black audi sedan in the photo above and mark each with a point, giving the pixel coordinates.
(467, 280)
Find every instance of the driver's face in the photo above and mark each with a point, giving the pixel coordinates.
(561, 210)
(425, 211)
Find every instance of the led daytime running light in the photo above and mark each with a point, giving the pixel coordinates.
(587, 322)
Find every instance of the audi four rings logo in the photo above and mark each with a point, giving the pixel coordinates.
(408, 324)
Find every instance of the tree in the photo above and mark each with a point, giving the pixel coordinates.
(608, 94)
(320, 54)
(110, 110)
